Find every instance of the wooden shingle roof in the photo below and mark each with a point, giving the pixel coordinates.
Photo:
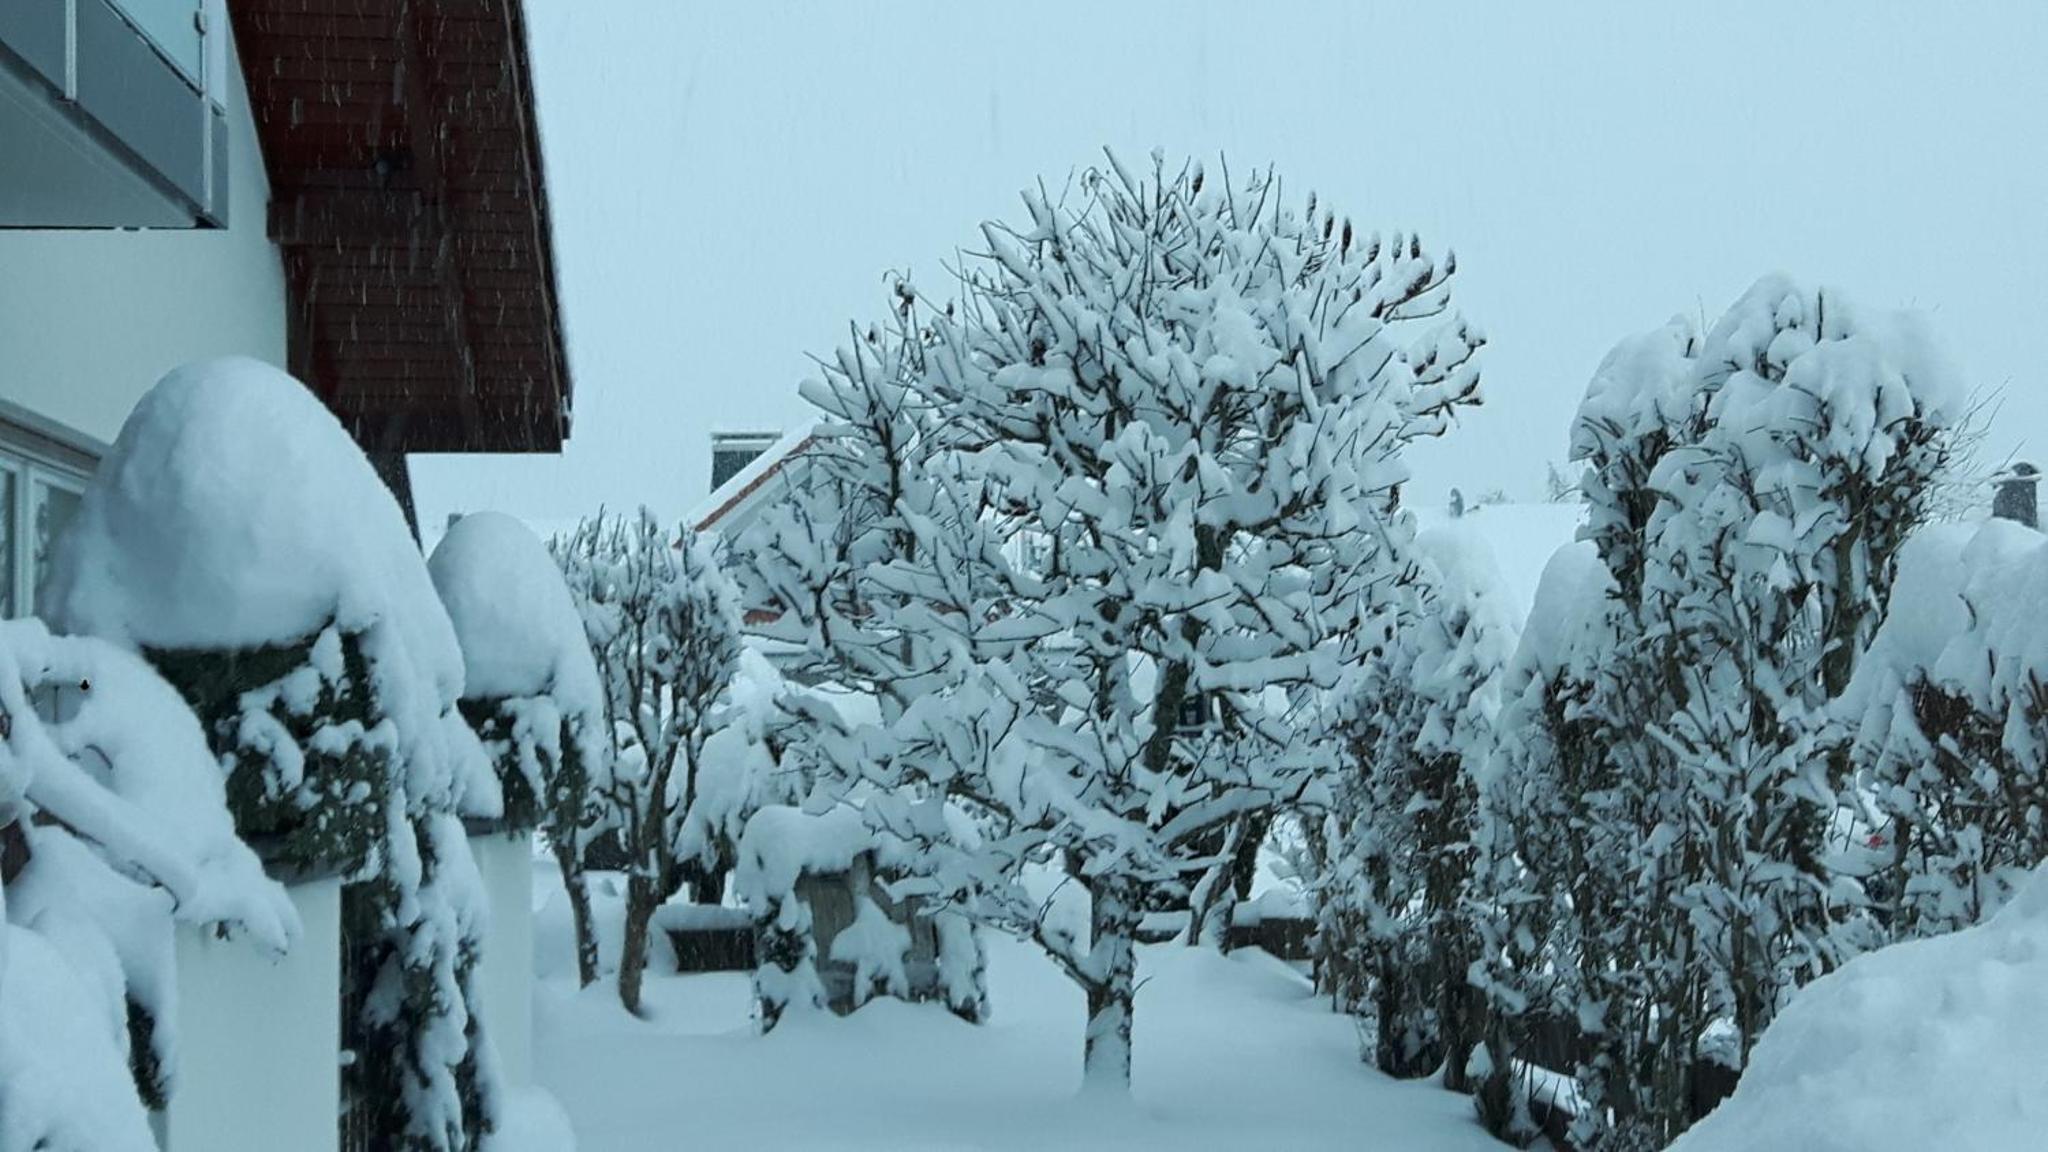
(407, 195)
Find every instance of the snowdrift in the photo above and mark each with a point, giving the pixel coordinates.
(1939, 1043)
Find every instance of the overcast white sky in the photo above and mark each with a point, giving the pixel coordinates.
(730, 180)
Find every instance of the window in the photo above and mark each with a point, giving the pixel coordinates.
(54, 498)
(43, 470)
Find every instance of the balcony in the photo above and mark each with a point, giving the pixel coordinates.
(110, 114)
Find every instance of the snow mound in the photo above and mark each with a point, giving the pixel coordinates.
(783, 842)
(533, 1122)
(1521, 538)
(1568, 619)
(1961, 613)
(1933, 1043)
(120, 824)
(125, 766)
(233, 511)
(519, 630)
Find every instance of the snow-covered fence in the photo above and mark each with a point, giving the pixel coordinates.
(1288, 935)
(708, 938)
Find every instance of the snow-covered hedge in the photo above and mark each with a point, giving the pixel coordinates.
(529, 681)
(239, 540)
(1398, 929)
(113, 825)
(1950, 711)
(1670, 773)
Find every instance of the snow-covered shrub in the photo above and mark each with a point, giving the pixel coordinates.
(530, 690)
(1552, 874)
(113, 825)
(237, 538)
(662, 622)
(746, 767)
(1923, 1044)
(1773, 548)
(895, 943)
(1950, 704)
(1401, 907)
(1095, 534)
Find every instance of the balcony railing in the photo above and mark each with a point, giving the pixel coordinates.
(110, 114)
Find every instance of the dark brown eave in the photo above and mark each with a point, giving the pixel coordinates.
(409, 200)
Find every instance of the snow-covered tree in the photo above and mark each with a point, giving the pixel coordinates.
(1772, 554)
(530, 690)
(1591, 788)
(237, 538)
(113, 825)
(1747, 494)
(1095, 534)
(662, 621)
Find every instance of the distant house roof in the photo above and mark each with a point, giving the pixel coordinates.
(736, 501)
(407, 195)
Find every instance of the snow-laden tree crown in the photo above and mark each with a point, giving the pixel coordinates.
(1097, 531)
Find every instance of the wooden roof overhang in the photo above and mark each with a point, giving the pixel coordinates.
(408, 201)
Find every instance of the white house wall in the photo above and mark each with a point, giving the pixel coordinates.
(505, 974)
(259, 1038)
(90, 319)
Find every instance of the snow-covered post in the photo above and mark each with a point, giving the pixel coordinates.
(662, 622)
(115, 825)
(1145, 468)
(530, 689)
(240, 541)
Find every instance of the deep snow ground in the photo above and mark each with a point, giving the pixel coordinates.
(1231, 1053)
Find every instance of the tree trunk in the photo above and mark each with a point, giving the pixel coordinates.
(1244, 866)
(1461, 1011)
(1214, 897)
(641, 900)
(1106, 1059)
(579, 912)
(707, 885)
